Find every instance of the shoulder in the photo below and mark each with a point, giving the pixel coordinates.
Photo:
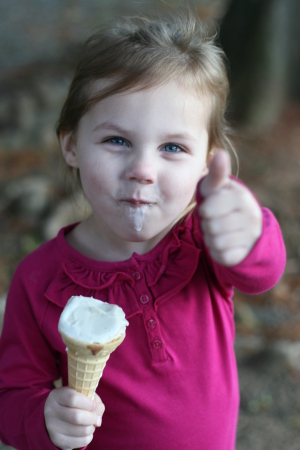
(41, 266)
(29, 282)
(42, 257)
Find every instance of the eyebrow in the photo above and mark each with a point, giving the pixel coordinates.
(180, 136)
(106, 125)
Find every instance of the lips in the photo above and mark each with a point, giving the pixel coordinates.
(137, 201)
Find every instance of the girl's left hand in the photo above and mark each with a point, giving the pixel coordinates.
(231, 217)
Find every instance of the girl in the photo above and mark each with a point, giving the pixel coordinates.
(141, 126)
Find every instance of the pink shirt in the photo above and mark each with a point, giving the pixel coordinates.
(173, 382)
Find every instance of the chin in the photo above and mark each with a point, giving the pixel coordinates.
(139, 236)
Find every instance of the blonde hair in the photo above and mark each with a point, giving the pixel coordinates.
(141, 52)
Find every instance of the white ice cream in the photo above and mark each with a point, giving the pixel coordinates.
(92, 321)
(137, 214)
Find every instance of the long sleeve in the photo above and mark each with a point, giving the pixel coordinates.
(27, 371)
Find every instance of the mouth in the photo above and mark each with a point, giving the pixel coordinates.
(137, 202)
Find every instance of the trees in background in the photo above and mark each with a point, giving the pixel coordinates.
(261, 39)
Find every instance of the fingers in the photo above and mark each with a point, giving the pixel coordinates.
(71, 418)
(76, 408)
(81, 409)
(225, 241)
(229, 223)
(218, 174)
(99, 410)
(78, 417)
(65, 442)
(72, 399)
(231, 197)
(79, 431)
(229, 257)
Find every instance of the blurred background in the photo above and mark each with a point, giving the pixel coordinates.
(40, 43)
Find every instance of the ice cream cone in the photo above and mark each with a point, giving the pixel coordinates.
(91, 330)
(86, 363)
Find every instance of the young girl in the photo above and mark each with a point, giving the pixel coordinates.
(142, 124)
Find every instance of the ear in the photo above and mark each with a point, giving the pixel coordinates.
(68, 147)
(211, 153)
(210, 156)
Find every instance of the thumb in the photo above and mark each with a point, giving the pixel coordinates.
(99, 407)
(218, 173)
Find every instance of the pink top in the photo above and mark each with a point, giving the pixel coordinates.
(173, 382)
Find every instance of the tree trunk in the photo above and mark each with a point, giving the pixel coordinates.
(261, 40)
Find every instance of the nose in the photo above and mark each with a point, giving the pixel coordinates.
(141, 170)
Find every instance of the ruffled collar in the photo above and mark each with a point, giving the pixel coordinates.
(167, 268)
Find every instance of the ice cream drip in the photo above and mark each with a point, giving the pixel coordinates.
(137, 214)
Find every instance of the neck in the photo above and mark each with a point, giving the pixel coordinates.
(90, 242)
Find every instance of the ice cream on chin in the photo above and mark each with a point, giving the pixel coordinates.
(91, 330)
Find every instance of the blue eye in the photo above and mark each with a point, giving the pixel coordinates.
(117, 141)
(173, 148)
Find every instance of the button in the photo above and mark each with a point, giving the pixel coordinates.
(151, 323)
(144, 299)
(157, 344)
(136, 276)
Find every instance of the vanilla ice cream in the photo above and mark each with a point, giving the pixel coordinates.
(92, 321)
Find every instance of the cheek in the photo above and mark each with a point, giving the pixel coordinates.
(181, 188)
(92, 169)
(92, 180)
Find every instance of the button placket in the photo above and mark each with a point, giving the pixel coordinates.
(151, 322)
(154, 336)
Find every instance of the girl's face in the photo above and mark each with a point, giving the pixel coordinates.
(140, 156)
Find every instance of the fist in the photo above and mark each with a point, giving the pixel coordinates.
(71, 418)
(231, 217)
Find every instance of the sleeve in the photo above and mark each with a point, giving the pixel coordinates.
(263, 266)
(27, 370)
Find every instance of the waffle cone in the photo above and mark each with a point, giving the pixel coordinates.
(86, 363)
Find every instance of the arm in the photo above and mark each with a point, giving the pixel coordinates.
(243, 240)
(28, 368)
(27, 371)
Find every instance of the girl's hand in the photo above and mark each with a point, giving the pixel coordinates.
(71, 418)
(231, 217)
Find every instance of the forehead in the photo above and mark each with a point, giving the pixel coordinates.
(175, 92)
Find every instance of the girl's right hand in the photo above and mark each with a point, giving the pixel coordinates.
(71, 418)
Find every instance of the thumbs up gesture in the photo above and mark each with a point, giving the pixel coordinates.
(231, 217)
